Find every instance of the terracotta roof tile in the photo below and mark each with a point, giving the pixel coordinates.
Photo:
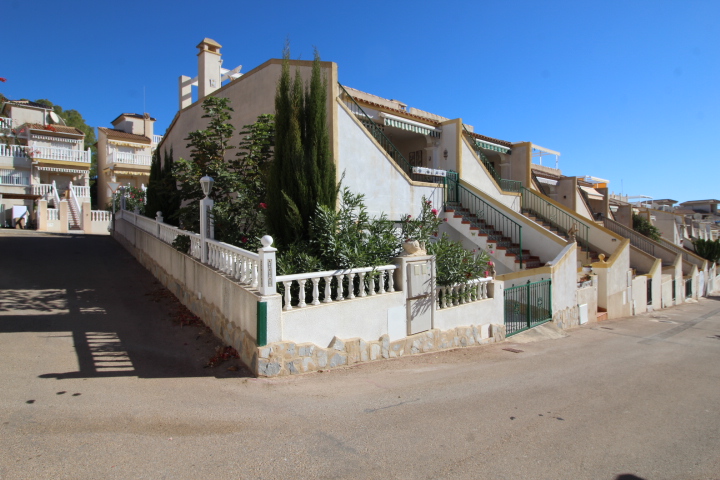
(120, 135)
(55, 128)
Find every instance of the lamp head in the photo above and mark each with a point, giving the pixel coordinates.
(206, 183)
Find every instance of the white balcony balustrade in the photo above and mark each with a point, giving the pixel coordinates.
(462, 293)
(43, 189)
(157, 139)
(63, 154)
(81, 192)
(129, 158)
(13, 151)
(6, 123)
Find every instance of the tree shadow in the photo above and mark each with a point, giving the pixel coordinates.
(121, 320)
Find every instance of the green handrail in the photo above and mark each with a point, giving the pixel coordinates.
(384, 142)
(555, 216)
(510, 232)
(503, 184)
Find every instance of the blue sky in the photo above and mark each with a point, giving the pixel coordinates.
(625, 90)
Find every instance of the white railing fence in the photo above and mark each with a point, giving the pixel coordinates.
(15, 151)
(80, 191)
(157, 139)
(240, 264)
(53, 214)
(42, 189)
(15, 177)
(343, 284)
(64, 154)
(6, 123)
(100, 216)
(74, 203)
(462, 293)
(54, 194)
(129, 158)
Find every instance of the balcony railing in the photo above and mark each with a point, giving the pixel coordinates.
(15, 151)
(157, 139)
(6, 123)
(14, 177)
(129, 158)
(504, 184)
(42, 189)
(81, 192)
(64, 154)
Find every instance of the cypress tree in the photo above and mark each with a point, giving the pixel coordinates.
(302, 175)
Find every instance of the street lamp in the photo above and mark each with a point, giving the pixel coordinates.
(206, 183)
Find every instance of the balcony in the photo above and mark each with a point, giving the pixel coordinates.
(62, 154)
(129, 159)
(6, 124)
(156, 139)
(14, 177)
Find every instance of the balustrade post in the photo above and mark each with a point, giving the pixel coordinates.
(158, 220)
(267, 267)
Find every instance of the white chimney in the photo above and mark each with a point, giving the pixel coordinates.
(209, 64)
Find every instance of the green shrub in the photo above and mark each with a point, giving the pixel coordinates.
(643, 226)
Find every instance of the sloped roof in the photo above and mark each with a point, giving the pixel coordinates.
(55, 128)
(132, 115)
(120, 135)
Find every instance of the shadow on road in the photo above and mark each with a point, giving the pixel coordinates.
(121, 320)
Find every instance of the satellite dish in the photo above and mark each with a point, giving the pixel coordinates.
(53, 118)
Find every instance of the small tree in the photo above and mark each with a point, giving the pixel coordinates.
(643, 226)
(162, 192)
(707, 249)
(239, 182)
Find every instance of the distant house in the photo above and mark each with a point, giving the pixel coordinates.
(125, 153)
(40, 157)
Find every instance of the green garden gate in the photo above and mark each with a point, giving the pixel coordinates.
(527, 306)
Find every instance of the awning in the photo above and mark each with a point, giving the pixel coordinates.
(61, 170)
(128, 172)
(128, 144)
(592, 193)
(409, 125)
(491, 146)
(55, 139)
(549, 181)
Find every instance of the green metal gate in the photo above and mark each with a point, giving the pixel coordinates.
(527, 306)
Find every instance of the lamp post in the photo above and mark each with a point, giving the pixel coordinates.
(207, 229)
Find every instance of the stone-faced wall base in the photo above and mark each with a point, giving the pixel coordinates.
(289, 358)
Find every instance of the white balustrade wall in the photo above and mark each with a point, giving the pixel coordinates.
(370, 281)
(240, 264)
(462, 293)
(53, 214)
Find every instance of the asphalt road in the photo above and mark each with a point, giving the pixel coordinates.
(99, 379)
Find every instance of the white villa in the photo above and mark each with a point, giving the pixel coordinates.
(563, 251)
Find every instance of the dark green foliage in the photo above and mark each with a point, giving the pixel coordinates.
(454, 264)
(349, 238)
(182, 243)
(162, 192)
(303, 171)
(643, 226)
(708, 249)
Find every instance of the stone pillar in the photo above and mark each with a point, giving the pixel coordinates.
(42, 216)
(64, 216)
(158, 220)
(267, 267)
(86, 217)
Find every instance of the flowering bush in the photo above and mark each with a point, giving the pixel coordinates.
(134, 197)
(422, 228)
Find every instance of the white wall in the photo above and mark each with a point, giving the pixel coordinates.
(365, 318)
(369, 170)
(474, 172)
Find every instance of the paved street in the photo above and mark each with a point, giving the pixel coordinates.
(102, 377)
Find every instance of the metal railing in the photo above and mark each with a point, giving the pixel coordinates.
(527, 306)
(15, 177)
(502, 183)
(499, 228)
(555, 216)
(636, 239)
(378, 135)
(349, 284)
(460, 294)
(129, 158)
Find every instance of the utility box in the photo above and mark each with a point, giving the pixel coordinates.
(417, 275)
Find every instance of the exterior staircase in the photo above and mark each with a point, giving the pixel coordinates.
(483, 230)
(590, 256)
